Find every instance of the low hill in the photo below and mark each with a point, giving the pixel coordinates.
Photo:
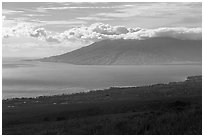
(162, 109)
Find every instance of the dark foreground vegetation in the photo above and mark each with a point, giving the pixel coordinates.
(174, 108)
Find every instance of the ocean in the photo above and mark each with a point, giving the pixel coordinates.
(22, 78)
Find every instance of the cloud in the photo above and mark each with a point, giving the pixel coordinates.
(93, 18)
(28, 30)
(100, 31)
(155, 9)
(3, 18)
(95, 32)
(21, 39)
(40, 32)
(52, 39)
(34, 15)
(179, 33)
(107, 29)
(21, 29)
(80, 7)
(4, 11)
(64, 22)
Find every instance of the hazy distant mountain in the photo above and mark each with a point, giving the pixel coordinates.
(134, 52)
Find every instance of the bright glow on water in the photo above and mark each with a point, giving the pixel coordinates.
(33, 78)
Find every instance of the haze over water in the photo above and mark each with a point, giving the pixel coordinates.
(33, 78)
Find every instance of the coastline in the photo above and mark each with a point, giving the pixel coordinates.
(106, 90)
(173, 108)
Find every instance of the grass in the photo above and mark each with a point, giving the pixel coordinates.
(168, 109)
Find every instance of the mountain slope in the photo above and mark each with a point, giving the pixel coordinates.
(134, 52)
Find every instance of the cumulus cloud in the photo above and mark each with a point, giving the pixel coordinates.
(100, 31)
(40, 32)
(52, 39)
(180, 33)
(25, 30)
(95, 32)
(3, 18)
(21, 29)
(107, 29)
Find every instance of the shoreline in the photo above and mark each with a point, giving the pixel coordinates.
(104, 89)
(154, 109)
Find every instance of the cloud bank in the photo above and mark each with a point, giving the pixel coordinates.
(100, 31)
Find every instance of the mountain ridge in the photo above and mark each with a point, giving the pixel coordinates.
(160, 50)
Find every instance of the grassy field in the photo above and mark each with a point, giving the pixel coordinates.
(174, 108)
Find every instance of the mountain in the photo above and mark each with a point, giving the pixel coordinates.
(158, 50)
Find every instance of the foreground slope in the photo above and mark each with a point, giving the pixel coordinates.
(134, 52)
(174, 108)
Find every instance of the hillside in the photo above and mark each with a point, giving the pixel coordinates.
(162, 109)
(134, 52)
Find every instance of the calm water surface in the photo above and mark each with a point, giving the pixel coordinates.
(33, 78)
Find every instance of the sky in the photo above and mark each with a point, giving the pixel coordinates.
(43, 29)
